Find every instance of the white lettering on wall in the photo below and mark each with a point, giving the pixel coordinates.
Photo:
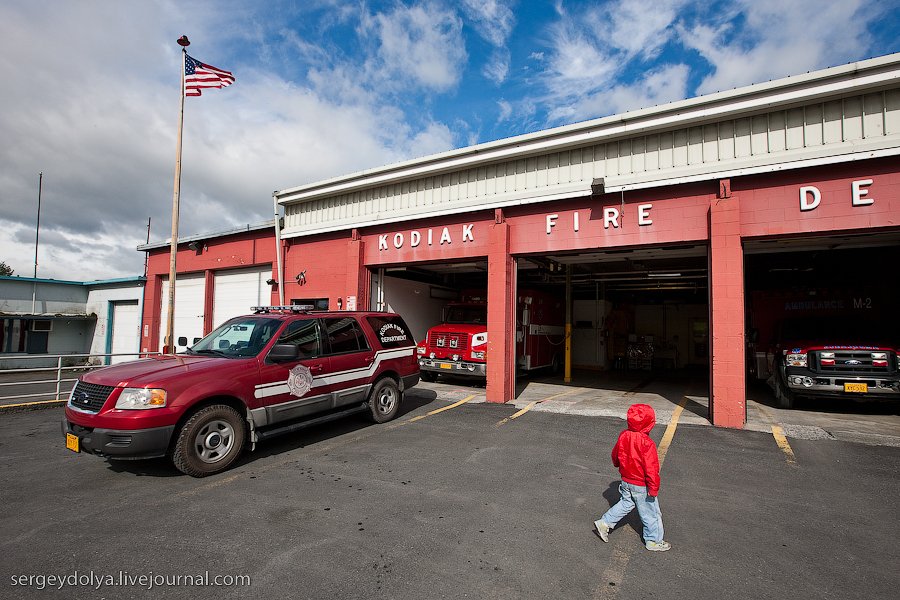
(382, 242)
(445, 237)
(576, 221)
(805, 193)
(551, 222)
(859, 193)
(398, 240)
(430, 241)
(644, 214)
(414, 238)
(467, 233)
(610, 217)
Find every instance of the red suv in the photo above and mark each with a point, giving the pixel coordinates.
(257, 376)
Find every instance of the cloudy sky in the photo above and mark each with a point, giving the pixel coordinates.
(90, 95)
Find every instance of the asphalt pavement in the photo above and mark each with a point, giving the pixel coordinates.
(454, 499)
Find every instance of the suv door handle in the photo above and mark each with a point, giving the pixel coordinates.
(316, 368)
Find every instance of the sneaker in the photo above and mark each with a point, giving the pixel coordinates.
(661, 546)
(602, 529)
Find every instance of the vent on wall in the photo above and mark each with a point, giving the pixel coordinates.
(44, 325)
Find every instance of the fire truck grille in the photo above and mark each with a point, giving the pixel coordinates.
(450, 341)
(90, 396)
(859, 361)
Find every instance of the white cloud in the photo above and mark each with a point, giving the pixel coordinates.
(505, 110)
(494, 20)
(101, 125)
(778, 39)
(666, 84)
(420, 44)
(497, 67)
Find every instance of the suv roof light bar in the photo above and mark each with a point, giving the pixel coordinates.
(293, 308)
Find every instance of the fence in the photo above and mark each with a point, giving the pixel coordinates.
(49, 384)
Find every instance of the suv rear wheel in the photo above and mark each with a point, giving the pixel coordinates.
(384, 401)
(210, 440)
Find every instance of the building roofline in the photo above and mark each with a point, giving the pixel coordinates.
(139, 278)
(208, 236)
(864, 74)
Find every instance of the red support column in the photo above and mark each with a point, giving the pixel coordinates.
(209, 291)
(728, 392)
(356, 272)
(501, 363)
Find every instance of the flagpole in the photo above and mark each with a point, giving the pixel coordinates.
(173, 249)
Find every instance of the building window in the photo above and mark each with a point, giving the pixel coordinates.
(24, 336)
(316, 303)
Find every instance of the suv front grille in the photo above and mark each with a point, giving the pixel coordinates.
(90, 396)
(859, 361)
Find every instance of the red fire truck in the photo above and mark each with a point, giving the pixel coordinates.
(458, 346)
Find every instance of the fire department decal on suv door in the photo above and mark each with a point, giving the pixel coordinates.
(300, 380)
(264, 390)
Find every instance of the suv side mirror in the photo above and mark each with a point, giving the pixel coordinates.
(283, 353)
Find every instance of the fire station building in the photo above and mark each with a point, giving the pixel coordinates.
(684, 230)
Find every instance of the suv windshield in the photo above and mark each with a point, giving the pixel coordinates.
(239, 337)
(467, 314)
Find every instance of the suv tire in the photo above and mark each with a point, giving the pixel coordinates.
(384, 401)
(209, 441)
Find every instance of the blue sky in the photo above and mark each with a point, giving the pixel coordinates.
(326, 88)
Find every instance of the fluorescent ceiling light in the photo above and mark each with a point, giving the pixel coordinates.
(663, 274)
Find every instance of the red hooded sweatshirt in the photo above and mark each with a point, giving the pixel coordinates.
(635, 453)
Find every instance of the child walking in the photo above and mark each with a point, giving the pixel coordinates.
(635, 456)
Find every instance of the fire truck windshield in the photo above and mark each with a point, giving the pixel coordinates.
(467, 314)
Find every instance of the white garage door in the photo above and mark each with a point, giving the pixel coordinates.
(125, 331)
(239, 290)
(189, 301)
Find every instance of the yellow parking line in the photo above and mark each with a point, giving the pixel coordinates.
(436, 411)
(530, 405)
(42, 402)
(670, 430)
(781, 440)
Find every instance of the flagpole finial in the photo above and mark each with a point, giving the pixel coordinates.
(183, 41)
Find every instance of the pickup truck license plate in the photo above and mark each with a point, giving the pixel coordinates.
(856, 387)
(72, 442)
(446, 366)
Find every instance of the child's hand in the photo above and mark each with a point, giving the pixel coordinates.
(651, 498)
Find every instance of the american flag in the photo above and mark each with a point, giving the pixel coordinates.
(198, 75)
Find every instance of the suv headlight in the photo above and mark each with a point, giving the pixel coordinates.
(141, 398)
(796, 360)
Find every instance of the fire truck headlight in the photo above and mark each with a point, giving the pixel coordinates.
(478, 355)
(479, 338)
(431, 355)
(796, 360)
(455, 357)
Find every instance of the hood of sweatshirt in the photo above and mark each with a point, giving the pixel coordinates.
(641, 418)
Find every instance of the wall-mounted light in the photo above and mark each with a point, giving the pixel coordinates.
(197, 246)
(271, 282)
(301, 277)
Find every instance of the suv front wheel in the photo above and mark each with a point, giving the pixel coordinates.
(384, 401)
(209, 441)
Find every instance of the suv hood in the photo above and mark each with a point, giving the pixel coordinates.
(157, 369)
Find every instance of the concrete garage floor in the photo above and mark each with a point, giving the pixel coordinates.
(609, 394)
(454, 500)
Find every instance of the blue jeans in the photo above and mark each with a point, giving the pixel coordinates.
(636, 495)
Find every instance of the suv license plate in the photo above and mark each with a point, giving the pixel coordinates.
(72, 443)
(856, 387)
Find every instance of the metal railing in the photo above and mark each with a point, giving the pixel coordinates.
(48, 384)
